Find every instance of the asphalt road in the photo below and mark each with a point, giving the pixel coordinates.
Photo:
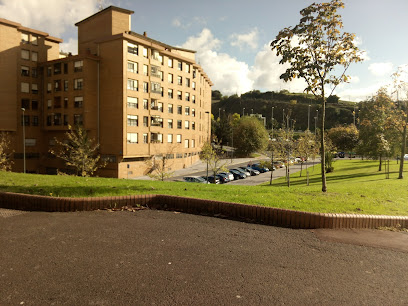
(166, 258)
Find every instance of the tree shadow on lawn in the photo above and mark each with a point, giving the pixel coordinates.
(79, 191)
(333, 178)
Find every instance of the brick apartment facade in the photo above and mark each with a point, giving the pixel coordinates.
(137, 97)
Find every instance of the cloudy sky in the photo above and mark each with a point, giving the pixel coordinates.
(232, 37)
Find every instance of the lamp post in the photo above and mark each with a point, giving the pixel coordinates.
(24, 155)
(308, 118)
(252, 111)
(272, 121)
(316, 118)
(243, 112)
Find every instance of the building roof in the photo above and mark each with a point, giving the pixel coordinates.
(114, 8)
(33, 31)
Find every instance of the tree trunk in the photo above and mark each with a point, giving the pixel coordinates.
(404, 139)
(301, 168)
(323, 149)
(380, 165)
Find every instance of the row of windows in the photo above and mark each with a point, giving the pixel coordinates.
(25, 39)
(57, 68)
(60, 119)
(133, 120)
(25, 55)
(25, 71)
(25, 88)
(133, 102)
(158, 138)
(57, 102)
(59, 84)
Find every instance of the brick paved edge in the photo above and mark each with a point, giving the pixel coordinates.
(235, 211)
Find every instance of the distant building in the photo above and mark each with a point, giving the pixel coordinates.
(137, 97)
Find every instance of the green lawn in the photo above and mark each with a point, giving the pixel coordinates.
(355, 186)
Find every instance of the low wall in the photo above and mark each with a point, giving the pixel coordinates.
(235, 211)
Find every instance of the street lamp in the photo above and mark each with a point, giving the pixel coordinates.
(252, 111)
(272, 121)
(243, 112)
(24, 155)
(308, 118)
(317, 117)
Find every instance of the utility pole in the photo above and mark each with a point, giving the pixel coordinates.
(243, 112)
(272, 121)
(308, 117)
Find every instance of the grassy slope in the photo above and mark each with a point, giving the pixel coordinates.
(354, 187)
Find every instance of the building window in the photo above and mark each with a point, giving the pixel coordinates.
(187, 67)
(170, 138)
(131, 137)
(194, 74)
(156, 88)
(78, 84)
(34, 104)
(193, 112)
(25, 87)
(78, 120)
(78, 101)
(35, 121)
(34, 72)
(187, 111)
(25, 120)
(132, 85)
(132, 49)
(187, 125)
(179, 124)
(187, 96)
(132, 102)
(49, 71)
(179, 95)
(25, 71)
(156, 121)
(160, 106)
(49, 87)
(145, 70)
(65, 68)
(194, 86)
(65, 120)
(155, 71)
(155, 55)
(170, 93)
(145, 104)
(187, 82)
(25, 54)
(65, 102)
(193, 143)
(186, 143)
(78, 66)
(156, 137)
(179, 80)
(132, 67)
(34, 88)
(193, 99)
(57, 68)
(192, 125)
(170, 123)
(24, 38)
(34, 40)
(132, 120)
(170, 108)
(145, 52)
(178, 138)
(57, 85)
(145, 138)
(25, 103)
(57, 119)
(49, 120)
(179, 109)
(170, 63)
(34, 56)
(180, 66)
(65, 85)
(49, 104)
(145, 87)
(145, 121)
(170, 78)
(57, 102)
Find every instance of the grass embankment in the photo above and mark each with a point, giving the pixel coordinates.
(355, 186)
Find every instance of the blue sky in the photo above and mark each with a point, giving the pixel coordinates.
(232, 36)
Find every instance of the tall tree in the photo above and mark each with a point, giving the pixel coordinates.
(249, 136)
(344, 138)
(213, 158)
(5, 153)
(79, 152)
(315, 50)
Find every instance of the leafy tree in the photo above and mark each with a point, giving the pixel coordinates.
(344, 137)
(307, 146)
(315, 50)
(5, 154)
(378, 136)
(79, 152)
(333, 99)
(213, 158)
(159, 165)
(249, 136)
(216, 95)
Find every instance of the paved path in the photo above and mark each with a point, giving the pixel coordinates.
(165, 258)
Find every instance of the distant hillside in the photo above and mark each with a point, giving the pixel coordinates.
(297, 104)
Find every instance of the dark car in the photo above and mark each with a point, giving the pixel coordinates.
(223, 178)
(237, 174)
(251, 171)
(259, 168)
(212, 179)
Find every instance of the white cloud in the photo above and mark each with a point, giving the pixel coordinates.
(176, 23)
(243, 40)
(56, 19)
(203, 42)
(381, 69)
(361, 93)
(70, 46)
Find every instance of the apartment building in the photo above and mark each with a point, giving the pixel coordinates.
(137, 97)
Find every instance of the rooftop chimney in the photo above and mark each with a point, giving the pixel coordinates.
(144, 34)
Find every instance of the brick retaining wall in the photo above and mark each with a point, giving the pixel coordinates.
(235, 211)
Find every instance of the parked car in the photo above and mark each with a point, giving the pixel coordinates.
(278, 164)
(251, 171)
(237, 174)
(245, 170)
(259, 168)
(229, 174)
(406, 157)
(247, 174)
(194, 179)
(223, 178)
(212, 179)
